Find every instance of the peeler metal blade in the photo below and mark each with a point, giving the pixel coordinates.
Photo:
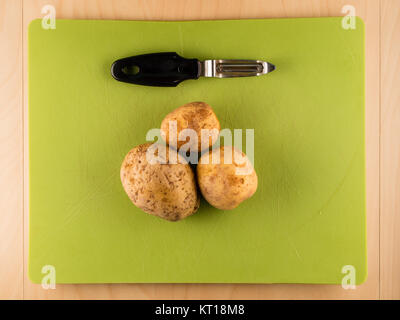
(234, 68)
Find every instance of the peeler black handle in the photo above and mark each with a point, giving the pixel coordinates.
(165, 69)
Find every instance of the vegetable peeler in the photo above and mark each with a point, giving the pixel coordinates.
(168, 69)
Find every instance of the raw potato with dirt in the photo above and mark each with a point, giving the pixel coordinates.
(195, 116)
(166, 189)
(226, 177)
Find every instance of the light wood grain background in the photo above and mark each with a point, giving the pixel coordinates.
(382, 21)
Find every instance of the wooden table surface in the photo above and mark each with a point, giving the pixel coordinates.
(382, 21)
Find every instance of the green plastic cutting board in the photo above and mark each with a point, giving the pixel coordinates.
(307, 218)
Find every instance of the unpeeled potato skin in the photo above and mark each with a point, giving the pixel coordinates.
(165, 190)
(220, 184)
(193, 115)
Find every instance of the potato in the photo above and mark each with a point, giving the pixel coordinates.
(195, 116)
(228, 183)
(167, 190)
